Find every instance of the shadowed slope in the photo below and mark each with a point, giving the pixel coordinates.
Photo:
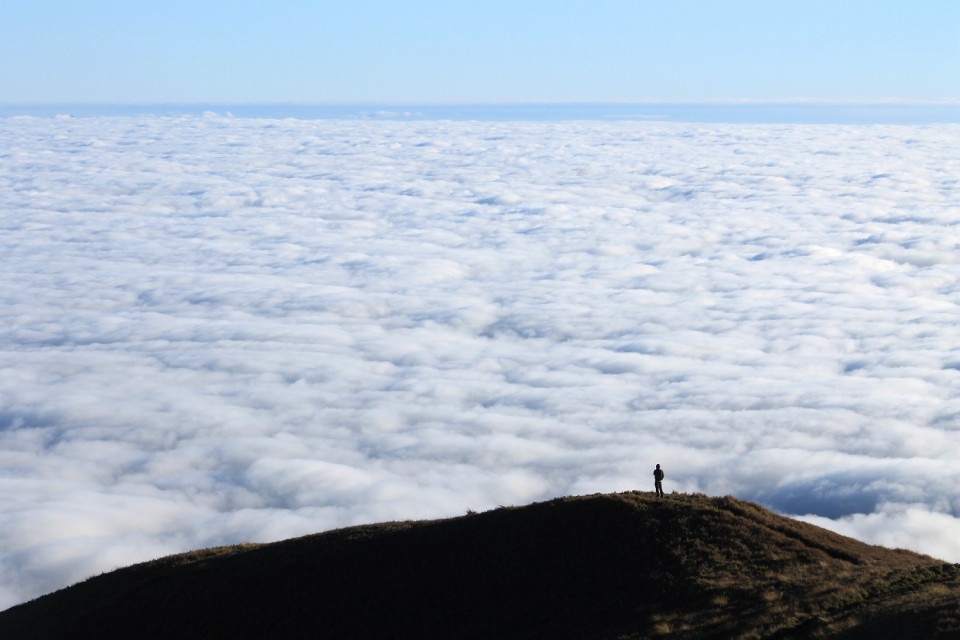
(604, 566)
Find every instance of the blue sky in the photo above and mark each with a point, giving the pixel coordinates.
(491, 51)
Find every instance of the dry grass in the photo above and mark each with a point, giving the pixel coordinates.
(606, 566)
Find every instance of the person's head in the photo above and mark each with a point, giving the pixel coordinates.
(658, 466)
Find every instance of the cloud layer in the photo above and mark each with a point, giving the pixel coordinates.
(218, 330)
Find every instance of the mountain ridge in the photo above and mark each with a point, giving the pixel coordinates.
(624, 565)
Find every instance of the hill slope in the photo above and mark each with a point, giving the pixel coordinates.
(603, 566)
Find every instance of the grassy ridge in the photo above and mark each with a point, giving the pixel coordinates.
(604, 566)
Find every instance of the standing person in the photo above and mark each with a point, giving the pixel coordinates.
(658, 481)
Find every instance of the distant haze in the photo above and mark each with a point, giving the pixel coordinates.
(221, 329)
(732, 112)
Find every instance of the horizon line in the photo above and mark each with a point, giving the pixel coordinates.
(892, 101)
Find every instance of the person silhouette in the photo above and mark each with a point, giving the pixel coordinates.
(658, 481)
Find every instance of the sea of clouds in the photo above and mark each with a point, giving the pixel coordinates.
(219, 329)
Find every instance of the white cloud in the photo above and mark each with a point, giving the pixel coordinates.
(218, 329)
(901, 526)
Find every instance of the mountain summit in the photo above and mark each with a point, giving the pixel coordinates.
(614, 566)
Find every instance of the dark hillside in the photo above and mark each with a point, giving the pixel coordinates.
(604, 566)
